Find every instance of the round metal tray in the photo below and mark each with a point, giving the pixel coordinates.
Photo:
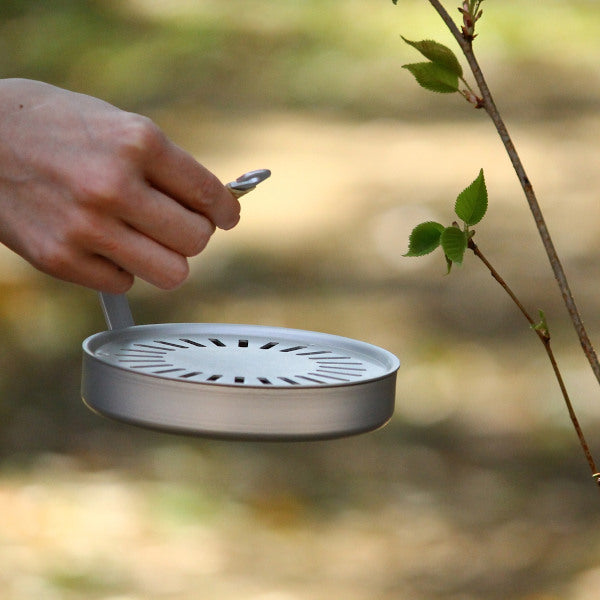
(239, 381)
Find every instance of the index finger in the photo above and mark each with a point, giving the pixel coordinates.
(177, 174)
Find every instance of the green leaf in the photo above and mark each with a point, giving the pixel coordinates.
(434, 77)
(425, 238)
(454, 244)
(439, 54)
(471, 204)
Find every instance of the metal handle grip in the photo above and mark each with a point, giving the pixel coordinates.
(117, 313)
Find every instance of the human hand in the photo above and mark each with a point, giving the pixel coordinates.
(95, 195)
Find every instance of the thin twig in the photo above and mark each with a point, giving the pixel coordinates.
(490, 107)
(544, 337)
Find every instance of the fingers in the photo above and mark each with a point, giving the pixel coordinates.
(168, 223)
(175, 172)
(97, 273)
(82, 268)
(143, 257)
(133, 252)
(169, 203)
(101, 252)
(164, 270)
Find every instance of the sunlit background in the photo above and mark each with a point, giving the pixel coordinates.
(477, 489)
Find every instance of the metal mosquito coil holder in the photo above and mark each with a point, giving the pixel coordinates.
(235, 381)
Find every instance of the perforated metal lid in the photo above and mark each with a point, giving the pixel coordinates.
(243, 381)
(242, 355)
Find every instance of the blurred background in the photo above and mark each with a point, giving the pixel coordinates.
(477, 488)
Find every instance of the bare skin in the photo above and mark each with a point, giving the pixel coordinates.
(95, 195)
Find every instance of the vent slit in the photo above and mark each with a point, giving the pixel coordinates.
(293, 348)
(321, 374)
(338, 359)
(288, 380)
(242, 343)
(149, 356)
(139, 351)
(309, 379)
(156, 366)
(340, 372)
(269, 345)
(314, 352)
(138, 360)
(156, 347)
(319, 359)
(217, 342)
(342, 368)
(173, 344)
(191, 374)
(264, 381)
(214, 377)
(192, 342)
(239, 379)
(168, 371)
(340, 363)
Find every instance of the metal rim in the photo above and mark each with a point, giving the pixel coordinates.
(199, 353)
(219, 407)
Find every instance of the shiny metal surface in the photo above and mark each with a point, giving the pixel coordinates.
(239, 381)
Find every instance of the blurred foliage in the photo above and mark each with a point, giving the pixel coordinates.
(259, 54)
(241, 55)
(233, 56)
(472, 492)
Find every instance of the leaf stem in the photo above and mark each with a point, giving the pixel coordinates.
(544, 337)
(475, 248)
(490, 107)
(466, 83)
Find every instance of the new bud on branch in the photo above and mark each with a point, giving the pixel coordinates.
(471, 13)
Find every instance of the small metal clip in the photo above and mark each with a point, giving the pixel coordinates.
(247, 182)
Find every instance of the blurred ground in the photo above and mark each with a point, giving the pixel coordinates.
(477, 488)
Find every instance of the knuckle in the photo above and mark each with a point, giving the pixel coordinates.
(198, 242)
(102, 241)
(105, 188)
(52, 257)
(87, 230)
(108, 178)
(140, 135)
(209, 189)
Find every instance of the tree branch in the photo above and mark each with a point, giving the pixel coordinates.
(490, 107)
(544, 337)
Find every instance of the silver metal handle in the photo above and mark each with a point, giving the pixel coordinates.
(115, 307)
(117, 313)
